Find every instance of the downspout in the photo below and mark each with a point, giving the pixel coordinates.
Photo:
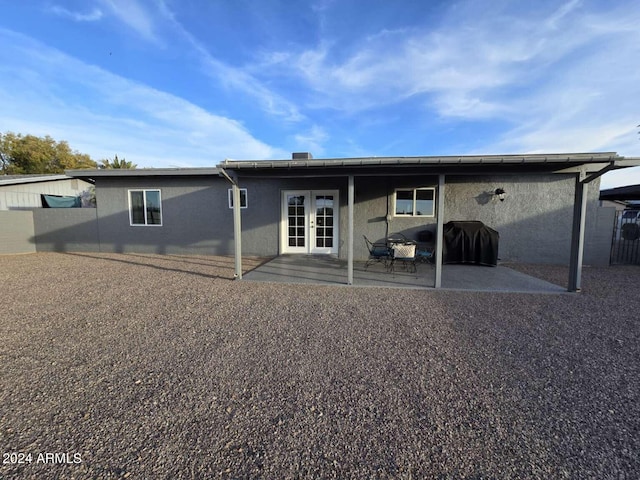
(237, 225)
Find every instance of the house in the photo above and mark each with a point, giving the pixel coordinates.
(548, 212)
(18, 192)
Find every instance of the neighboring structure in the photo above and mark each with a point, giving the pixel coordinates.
(21, 199)
(628, 195)
(324, 206)
(19, 192)
(625, 247)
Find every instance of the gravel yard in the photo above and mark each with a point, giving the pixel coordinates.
(145, 366)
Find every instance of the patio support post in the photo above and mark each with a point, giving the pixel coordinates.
(237, 231)
(439, 231)
(577, 233)
(350, 197)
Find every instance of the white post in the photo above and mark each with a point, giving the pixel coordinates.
(350, 196)
(439, 231)
(237, 231)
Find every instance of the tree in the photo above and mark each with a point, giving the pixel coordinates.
(30, 154)
(116, 163)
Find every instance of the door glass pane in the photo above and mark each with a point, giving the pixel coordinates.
(296, 220)
(324, 217)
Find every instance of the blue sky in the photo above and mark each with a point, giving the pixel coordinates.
(192, 82)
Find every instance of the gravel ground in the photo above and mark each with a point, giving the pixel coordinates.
(150, 366)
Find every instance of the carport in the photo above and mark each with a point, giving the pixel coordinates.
(582, 168)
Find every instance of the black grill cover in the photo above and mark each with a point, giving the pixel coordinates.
(470, 242)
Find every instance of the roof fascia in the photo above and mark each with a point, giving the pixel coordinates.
(144, 172)
(558, 158)
(29, 179)
(395, 171)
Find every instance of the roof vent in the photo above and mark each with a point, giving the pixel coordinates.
(301, 156)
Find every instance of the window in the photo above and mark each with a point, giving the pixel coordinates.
(145, 207)
(243, 198)
(417, 202)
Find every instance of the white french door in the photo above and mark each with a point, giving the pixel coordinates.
(309, 222)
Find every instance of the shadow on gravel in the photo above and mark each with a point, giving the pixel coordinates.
(151, 261)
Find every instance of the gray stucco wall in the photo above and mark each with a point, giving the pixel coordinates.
(65, 229)
(261, 221)
(16, 232)
(195, 216)
(534, 220)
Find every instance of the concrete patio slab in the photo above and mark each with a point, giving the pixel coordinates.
(328, 270)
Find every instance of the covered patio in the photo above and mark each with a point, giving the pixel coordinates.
(383, 178)
(329, 270)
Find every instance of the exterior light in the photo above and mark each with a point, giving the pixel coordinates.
(500, 193)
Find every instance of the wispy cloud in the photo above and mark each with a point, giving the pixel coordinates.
(136, 16)
(91, 16)
(105, 114)
(232, 77)
(561, 78)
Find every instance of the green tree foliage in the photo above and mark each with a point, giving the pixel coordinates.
(21, 154)
(116, 163)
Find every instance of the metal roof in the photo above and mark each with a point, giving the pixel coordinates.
(556, 159)
(142, 172)
(628, 192)
(31, 178)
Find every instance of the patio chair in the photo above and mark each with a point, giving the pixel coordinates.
(424, 254)
(405, 253)
(378, 252)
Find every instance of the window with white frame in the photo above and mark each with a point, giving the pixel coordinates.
(145, 207)
(415, 202)
(243, 198)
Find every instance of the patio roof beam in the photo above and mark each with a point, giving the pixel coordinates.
(599, 173)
